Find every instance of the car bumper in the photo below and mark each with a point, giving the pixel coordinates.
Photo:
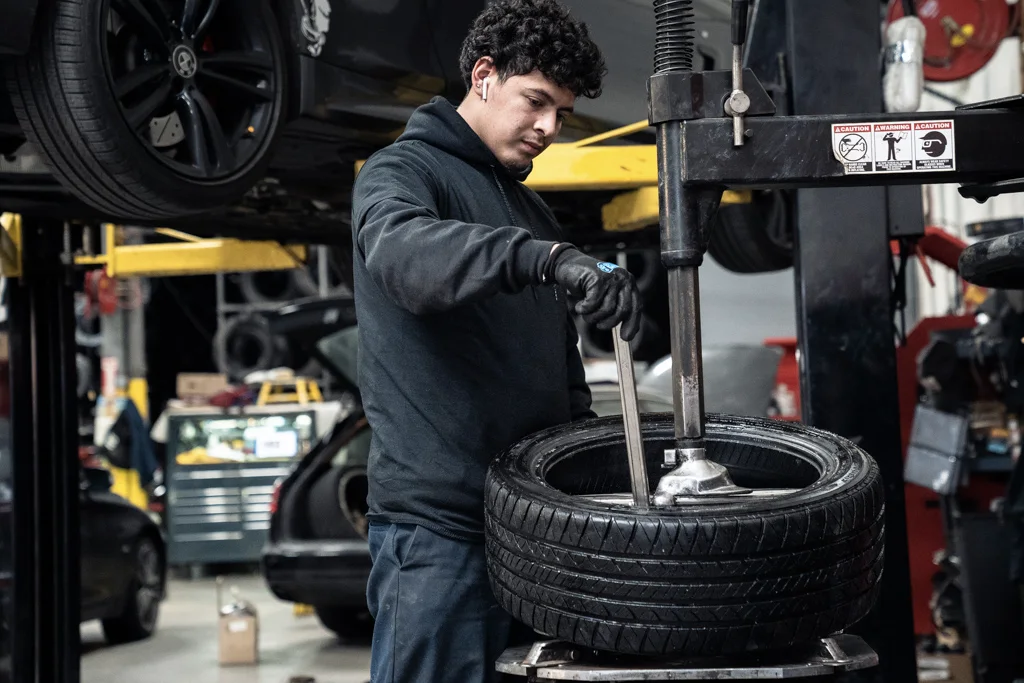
(318, 572)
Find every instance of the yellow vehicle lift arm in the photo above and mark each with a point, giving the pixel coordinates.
(585, 165)
(191, 255)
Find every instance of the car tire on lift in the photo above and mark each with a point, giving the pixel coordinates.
(697, 579)
(65, 95)
(137, 620)
(347, 623)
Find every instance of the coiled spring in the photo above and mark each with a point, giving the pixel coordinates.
(673, 48)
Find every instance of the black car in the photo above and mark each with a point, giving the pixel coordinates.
(316, 552)
(146, 111)
(123, 560)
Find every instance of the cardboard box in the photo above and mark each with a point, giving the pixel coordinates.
(199, 386)
(238, 638)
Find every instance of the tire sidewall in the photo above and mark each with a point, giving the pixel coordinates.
(842, 465)
(160, 181)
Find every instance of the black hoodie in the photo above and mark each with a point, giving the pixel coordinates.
(463, 347)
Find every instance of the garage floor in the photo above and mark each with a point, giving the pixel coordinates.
(184, 648)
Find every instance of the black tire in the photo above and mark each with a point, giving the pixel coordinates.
(142, 602)
(63, 93)
(276, 286)
(996, 263)
(245, 344)
(753, 237)
(331, 515)
(348, 623)
(747, 574)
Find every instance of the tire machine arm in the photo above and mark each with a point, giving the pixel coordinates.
(717, 130)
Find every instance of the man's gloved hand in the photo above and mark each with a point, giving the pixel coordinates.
(608, 293)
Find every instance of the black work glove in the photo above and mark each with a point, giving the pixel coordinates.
(608, 293)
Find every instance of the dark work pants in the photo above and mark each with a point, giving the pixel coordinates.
(436, 620)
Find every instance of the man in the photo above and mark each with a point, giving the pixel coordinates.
(466, 342)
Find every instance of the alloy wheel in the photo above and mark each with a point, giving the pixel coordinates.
(147, 574)
(197, 80)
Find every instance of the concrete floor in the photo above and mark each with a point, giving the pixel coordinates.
(184, 648)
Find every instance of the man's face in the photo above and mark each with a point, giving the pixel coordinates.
(524, 115)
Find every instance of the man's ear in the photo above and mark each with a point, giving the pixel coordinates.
(484, 68)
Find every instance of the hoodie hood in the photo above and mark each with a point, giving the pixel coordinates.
(439, 124)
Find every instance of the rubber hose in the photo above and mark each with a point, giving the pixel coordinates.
(673, 46)
(233, 359)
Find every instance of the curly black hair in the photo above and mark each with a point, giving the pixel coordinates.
(522, 36)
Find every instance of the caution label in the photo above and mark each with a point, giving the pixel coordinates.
(903, 147)
(853, 147)
(934, 142)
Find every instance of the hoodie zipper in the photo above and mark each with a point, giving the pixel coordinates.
(512, 217)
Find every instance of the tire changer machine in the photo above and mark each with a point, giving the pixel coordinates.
(719, 130)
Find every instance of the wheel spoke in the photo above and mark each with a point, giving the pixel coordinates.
(142, 112)
(133, 80)
(261, 94)
(255, 62)
(203, 131)
(204, 23)
(225, 158)
(195, 135)
(190, 16)
(145, 16)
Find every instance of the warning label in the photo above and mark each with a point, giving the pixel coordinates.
(934, 144)
(899, 147)
(894, 147)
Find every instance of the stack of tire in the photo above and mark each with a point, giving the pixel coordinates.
(245, 344)
(711, 577)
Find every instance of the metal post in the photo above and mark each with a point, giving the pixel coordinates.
(687, 357)
(46, 564)
(848, 378)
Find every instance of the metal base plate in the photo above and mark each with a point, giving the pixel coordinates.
(559, 661)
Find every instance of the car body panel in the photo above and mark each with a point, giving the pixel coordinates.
(16, 27)
(318, 572)
(110, 527)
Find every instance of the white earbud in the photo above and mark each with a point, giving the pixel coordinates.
(486, 83)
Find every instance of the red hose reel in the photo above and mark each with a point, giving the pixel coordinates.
(963, 35)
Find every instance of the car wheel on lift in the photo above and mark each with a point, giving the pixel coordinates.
(348, 623)
(754, 237)
(142, 602)
(798, 559)
(140, 119)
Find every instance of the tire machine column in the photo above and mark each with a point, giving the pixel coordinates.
(857, 400)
